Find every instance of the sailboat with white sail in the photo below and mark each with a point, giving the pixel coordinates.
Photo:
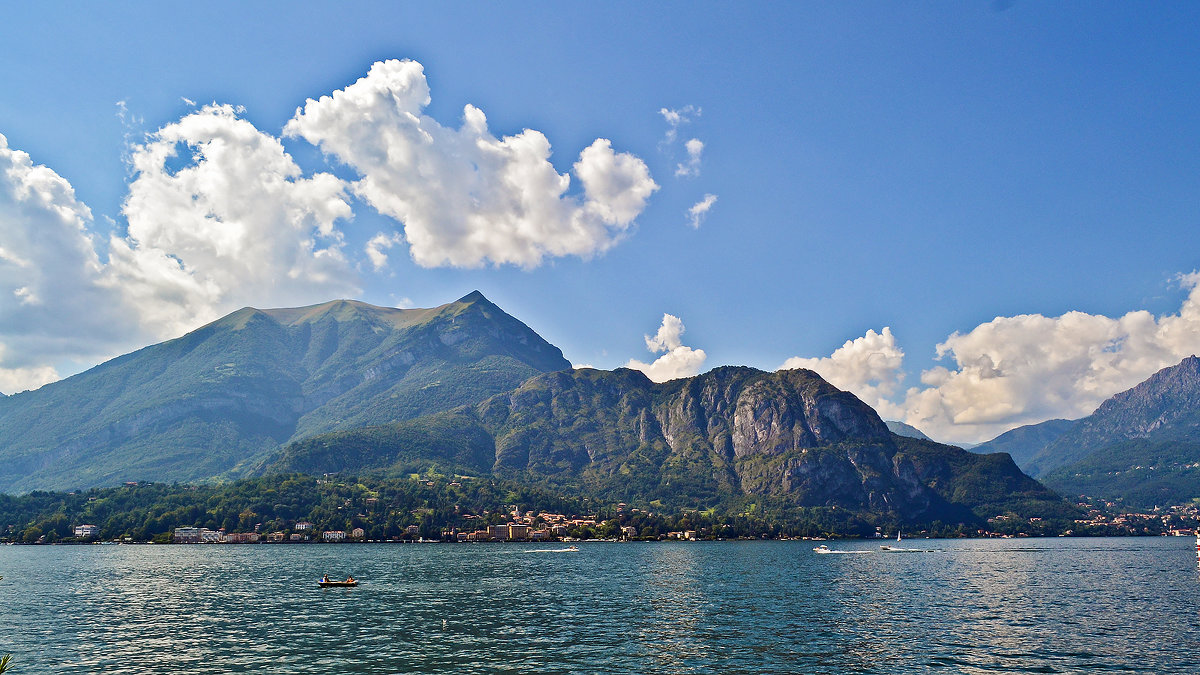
(897, 549)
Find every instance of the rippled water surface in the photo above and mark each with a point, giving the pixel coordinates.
(971, 606)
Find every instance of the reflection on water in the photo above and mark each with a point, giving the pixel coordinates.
(730, 607)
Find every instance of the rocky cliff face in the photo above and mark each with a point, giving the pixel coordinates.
(787, 435)
(730, 438)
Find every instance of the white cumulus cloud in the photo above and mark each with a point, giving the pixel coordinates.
(691, 167)
(53, 303)
(464, 196)
(699, 210)
(677, 360)
(1016, 370)
(868, 367)
(219, 216)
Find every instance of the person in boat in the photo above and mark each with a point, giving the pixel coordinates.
(349, 580)
(325, 578)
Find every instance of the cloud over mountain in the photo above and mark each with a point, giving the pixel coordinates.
(464, 196)
(677, 360)
(869, 366)
(237, 222)
(1017, 370)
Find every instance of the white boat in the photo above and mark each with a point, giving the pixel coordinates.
(825, 549)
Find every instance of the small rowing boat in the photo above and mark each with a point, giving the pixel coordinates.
(337, 584)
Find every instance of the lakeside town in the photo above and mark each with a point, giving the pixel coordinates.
(1102, 518)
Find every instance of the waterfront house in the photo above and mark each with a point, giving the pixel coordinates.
(334, 535)
(86, 531)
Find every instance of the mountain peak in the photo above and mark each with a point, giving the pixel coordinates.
(472, 298)
(1165, 389)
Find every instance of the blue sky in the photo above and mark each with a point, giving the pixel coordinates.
(1022, 175)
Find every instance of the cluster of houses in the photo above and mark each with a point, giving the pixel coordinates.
(304, 532)
(1166, 520)
(528, 526)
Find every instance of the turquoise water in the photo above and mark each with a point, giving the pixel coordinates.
(972, 606)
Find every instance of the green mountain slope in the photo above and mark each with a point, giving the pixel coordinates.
(733, 437)
(224, 395)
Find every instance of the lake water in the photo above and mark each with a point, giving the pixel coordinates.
(970, 606)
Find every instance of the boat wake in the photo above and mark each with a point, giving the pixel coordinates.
(825, 549)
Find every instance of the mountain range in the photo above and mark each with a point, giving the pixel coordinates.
(464, 387)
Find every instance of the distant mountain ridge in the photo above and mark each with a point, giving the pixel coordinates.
(1023, 443)
(906, 430)
(732, 435)
(225, 394)
(1141, 445)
